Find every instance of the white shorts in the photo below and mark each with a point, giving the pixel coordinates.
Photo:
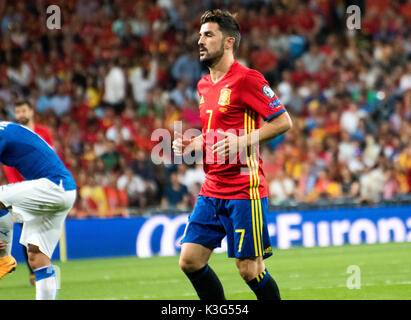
(42, 206)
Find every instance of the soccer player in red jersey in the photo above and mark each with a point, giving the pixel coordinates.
(233, 199)
(24, 115)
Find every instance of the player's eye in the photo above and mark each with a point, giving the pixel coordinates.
(206, 34)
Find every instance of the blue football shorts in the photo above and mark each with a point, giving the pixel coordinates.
(243, 221)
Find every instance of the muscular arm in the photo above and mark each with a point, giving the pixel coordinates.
(271, 129)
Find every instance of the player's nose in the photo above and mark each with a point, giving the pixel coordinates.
(200, 41)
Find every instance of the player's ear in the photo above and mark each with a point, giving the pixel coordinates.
(229, 43)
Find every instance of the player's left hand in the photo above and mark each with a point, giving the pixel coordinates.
(230, 145)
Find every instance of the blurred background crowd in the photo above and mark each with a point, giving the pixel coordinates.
(119, 69)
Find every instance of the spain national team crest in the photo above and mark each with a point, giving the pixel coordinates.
(224, 99)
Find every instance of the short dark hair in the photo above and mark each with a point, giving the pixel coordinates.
(226, 22)
(21, 102)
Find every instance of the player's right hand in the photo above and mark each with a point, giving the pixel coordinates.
(179, 144)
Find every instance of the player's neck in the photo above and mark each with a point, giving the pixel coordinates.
(30, 125)
(218, 71)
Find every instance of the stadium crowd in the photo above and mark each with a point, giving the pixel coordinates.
(119, 69)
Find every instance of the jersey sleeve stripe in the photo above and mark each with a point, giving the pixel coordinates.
(274, 115)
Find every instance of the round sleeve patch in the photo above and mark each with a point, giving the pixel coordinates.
(268, 92)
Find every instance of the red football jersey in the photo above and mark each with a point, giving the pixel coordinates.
(236, 104)
(12, 174)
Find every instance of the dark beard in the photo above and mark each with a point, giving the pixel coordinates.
(23, 121)
(212, 60)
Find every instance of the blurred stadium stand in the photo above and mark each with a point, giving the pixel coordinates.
(117, 70)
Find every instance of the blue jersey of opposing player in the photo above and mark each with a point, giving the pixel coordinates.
(26, 151)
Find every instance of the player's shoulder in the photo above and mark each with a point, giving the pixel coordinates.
(41, 129)
(252, 74)
(7, 123)
(45, 133)
(247, 75)
(15, 132)
(5, 126)
(239, 68)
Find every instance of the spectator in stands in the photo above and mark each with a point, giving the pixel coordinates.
(143, 167)
(118, 132)
(60, 102)
(181, 92)
(306, 182)
(143, 77)
(117, 199)
(19, 73)
(371, 151)
(93, 198)
(281, 188)
(405, 81)
(350, 118)
(151, 103)
(45, 80)
(135, 187)
(325, 187)
(176, 195)
(391, 184)
(190, 176)
(372, 182)
(110, 157)
(346, 148)
(138, 22)
(114, 85)
(313, 59)
(355, 163)
(295, 102)
(277, 42)
(264, 60)
(350, 186)
(187, 67)
(285, 88)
